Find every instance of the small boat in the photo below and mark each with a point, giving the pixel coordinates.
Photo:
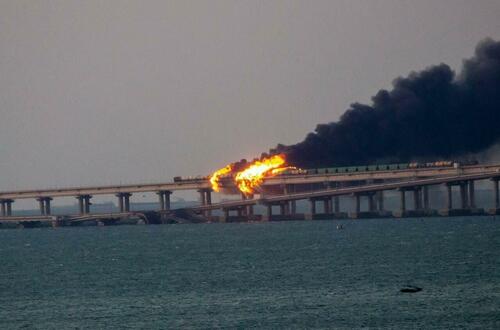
(340, 226)
(411, 289)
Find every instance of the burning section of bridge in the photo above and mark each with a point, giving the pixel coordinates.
(250, 177)
(216, 176)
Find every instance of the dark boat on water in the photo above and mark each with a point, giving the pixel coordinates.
(410, 289)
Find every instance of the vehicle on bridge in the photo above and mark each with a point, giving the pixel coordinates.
(196, 178)
(378, 167)
(345, 169)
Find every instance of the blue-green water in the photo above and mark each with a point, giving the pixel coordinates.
(260, 275)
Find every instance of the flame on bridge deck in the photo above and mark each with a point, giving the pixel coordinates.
(251, 177)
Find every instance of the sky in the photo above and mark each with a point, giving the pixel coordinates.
(116, 91)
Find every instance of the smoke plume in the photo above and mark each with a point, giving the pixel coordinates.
(429, 115)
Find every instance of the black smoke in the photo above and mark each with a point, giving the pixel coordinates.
(429, 115)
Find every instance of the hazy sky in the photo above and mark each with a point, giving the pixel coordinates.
(100, 92)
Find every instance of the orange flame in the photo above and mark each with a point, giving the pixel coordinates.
(215, 177)
(249, 179)
(253, 176)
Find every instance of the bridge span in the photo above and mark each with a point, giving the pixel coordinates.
(418, 187)
(279, 190)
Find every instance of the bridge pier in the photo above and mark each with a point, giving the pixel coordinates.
(9, 206)
(206, 199)
(371, 202)
(467, 199)
(87, 204)
(380, 200)
(402, 204)
(44, 203)
(248, 209)
(417, 200)
(293, 207)
(327, 205)
(371, 212)
(425, 193)
(496, 198)
(449, 197)
(84, 203)
(336, 204)
(312, 203)
(6, 207)
(203, 199)
(269, 213)
(358, 203)
(282, 208)
(463, 195)
(472, 195)
(124, 201)
(402, 193)
(164, 199)
(126, 198)
(81, 207)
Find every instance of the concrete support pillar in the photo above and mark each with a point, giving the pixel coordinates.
(371, 203)
(249, 210)
(380, 200)
(327, 205)
(239, 211)
(282, 208)
(44, 204)
(120, 202)
(3, 210)
(87, 203)
(336, 204)
(9, 207)
(358, 203)
(293, 207)
(269, 210)
(47, 205)
(417, 204)
(402, 193)
(161, 199)
(41, 205)
(425, 192)
(449, 197)
(208, 197)
(167, 194)
(81, 206)
(203, 200)
(208, 200)
(226, 214)
(463, 195)
(472, 195)
(312, 202)
(495, 193)
(126, 201)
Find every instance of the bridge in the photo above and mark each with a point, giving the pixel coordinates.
(283, 191)
(418, 187)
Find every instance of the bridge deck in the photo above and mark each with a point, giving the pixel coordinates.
(351, 190)
(278, 180)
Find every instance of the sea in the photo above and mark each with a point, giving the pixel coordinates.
(341, 274)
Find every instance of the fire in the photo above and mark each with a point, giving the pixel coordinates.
(251, 177)
(215, 177)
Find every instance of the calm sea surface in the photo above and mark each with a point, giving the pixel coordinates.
(256, 275)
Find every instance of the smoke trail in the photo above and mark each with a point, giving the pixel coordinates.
(427, 115)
